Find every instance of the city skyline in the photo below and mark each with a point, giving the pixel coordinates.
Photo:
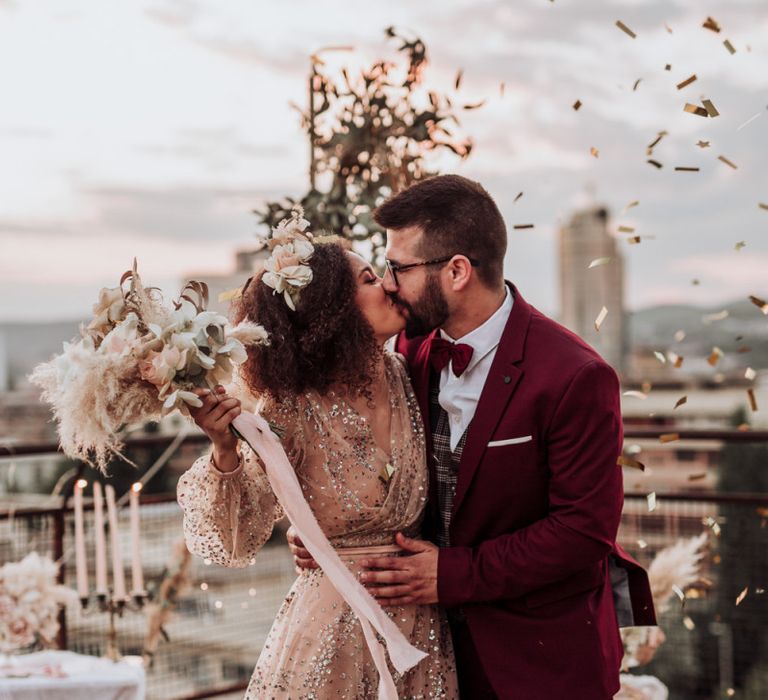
(153, 130)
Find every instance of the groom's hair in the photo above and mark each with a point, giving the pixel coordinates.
(457, 217)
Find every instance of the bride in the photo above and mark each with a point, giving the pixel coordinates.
(351, 428)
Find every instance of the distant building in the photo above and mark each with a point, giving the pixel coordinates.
(584, 291)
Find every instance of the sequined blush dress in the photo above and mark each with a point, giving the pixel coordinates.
(361, 496)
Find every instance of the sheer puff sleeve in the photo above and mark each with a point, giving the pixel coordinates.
(228, 516)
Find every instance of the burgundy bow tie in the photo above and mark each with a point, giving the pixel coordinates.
(444, 351)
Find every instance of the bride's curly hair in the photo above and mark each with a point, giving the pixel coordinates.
(326, 341)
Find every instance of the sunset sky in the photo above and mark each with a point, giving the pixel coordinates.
(153, 128)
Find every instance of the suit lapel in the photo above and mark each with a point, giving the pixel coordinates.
(501, 383)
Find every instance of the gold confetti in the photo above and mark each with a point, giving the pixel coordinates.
(712, 25)
(711, 318)
(623, 461)
(642, 544)
(687, 169)
(742, 595)
(690, 625)
(695, 109)
(576, 105)
(759, 303)
(660, 357)
(651, 497)
(712, 523)
(519, 194)
(749, 373)
(626, 229)
(695, 282)
(752, 399)
(654, 143)
(728, 45)
(669, 437)
(519, 227)
(697, 477)
(679, 593)
(749, 121)
(655, 163)
(636, 202)
(702, 144)
(501, 90)
(636, 394)
(624, 28)
(686, 82)
(740, 245)
(600, 318)
(475, 105)
(597, 262)
(711, 109)
(637, 82)
(594, 152)
(634, 240)
(715, 356)
(678, 361)
(728, 162)
(682, 400)
(679, 336)
(668, 28)
(459, 76)
(668, 66)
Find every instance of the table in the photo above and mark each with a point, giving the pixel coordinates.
(70, 676)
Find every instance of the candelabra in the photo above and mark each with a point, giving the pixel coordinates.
(116, 607)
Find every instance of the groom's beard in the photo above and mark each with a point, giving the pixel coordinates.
(426, 313)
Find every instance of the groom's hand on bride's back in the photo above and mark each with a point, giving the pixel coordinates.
(301, 557)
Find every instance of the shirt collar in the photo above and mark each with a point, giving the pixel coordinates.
(487, 336)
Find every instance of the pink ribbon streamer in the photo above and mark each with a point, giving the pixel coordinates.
(285, 485)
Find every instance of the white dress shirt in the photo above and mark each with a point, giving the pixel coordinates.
(459, 395)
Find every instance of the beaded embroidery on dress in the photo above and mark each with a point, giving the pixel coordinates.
(361, 496)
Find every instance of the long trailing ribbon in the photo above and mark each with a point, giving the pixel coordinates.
(282, 477)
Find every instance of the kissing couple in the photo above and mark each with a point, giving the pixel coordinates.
(468, 479)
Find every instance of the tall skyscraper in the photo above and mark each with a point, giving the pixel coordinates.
(584, 291)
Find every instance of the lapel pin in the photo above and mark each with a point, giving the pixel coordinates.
(507, 379)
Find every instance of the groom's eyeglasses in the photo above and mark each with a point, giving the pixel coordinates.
(395, 268)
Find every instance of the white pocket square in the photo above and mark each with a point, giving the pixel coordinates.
(510, 441)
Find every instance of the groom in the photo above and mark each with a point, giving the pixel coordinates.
(525, 493)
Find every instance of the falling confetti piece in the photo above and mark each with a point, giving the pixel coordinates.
(576, 105)
(711, 318)
(519, 194)
(501, 90)
(656, 164)
(522, 226)
(728, 162)
(749, 373)
(762, 206)
(636, 394)
(702, 144)
(642, 544)
(712, 25)
(668, 66)
(712, 523)
(654, 143)
(637, 82)
(740, 245)
(636, 203)
(600, 318)
(752, 399)
(651, 501)
(749, 121)
(689, 624)
(679, 336)
(597, 262)
(728, 45)
(623, 461)
(715, 356)
(459, 76)
(660, 357)
(697, 477)
(624, 28)
(475, 105)
(635, 240)
(669, 437)
(626, 229)
(687, 169)
(594, 152)
(742, 595)
(686, 82)
(695, 109)
(678, 363)
(759, 303)
(711, 109)
(682, 400)
(679, 593)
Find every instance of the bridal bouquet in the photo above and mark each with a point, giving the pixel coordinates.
(137, 360)
(29, 603)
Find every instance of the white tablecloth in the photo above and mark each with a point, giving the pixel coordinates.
(84, 677)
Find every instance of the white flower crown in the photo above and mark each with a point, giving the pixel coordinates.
(286, 270)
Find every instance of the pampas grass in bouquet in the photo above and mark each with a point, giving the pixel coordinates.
(139, 359)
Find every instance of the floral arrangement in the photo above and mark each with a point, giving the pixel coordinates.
(29, 603)
(137, 360)
(286, 270)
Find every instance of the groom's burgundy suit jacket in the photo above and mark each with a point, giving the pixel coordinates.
(533, 529)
